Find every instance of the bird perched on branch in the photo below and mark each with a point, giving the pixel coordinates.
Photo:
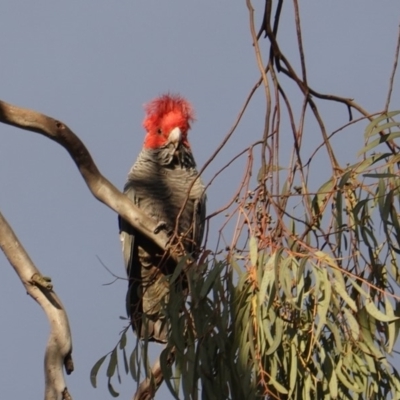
(158, 183)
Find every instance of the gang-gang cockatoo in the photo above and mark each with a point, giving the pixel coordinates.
(158, 184)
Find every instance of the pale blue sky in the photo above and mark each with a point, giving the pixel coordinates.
(93, 65)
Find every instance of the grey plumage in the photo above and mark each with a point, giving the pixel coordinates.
(158, 184)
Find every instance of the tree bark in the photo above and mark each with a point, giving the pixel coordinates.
(59, 344)
(100, 187)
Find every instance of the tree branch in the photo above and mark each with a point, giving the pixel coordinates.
(100, 187)
(149, 386)
(59, 345)
(104, 191)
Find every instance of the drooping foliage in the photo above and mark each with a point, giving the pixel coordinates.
(302, 300)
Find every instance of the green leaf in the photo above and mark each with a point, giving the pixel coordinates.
(381, 191)
(342, 292)
(388, 208)
(166, 371)
(179, 267)
(371, 128)
(112, 390)
(267, 330)
(336, 334)
(345, 178)
(323, 304)
(344, 379)
(244, 352)
(95, 370)
(285, 275)
(321, 198)
(178, 375)
(376, 142)
(372, 159)
(338, 217)
(278, 336)
(362, 365)
(368, 358)
(285, 191)
(359, 289)
(135, 373)
(391, 326)
(189, 374)
(253, 245)
(325, 258)
(113, 363)
(353, 324)
(395, 221)
(324, 298)
(360, 205)
(307, 386)
(122, 342)
(379, 315)
(397, 323)
(211, 279)
(368, 236)
(267, 279)
(235, 265)
(293, 366)
(332, 377)
(368, 345)
(280, 388)
(126, 365)
(386, 175)
(383, 127)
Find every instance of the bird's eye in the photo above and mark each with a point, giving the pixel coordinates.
(159, 131)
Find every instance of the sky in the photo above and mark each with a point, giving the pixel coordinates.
(93, 65)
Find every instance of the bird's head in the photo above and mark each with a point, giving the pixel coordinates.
(167, 122)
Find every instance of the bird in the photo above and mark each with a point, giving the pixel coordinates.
(158, 183)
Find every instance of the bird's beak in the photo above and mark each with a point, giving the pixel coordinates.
(175, 136)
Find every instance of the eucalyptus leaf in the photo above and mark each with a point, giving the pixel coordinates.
(95, 369)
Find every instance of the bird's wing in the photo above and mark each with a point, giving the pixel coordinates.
(147, 285)
(199, 215)
(129, 251)
(127, 235)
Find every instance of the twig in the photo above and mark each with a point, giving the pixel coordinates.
(391, 81)
(222, 144)
(263, 70)
(300, 42)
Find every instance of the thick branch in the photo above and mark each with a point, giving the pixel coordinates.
(100, 187)
(59, 345)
